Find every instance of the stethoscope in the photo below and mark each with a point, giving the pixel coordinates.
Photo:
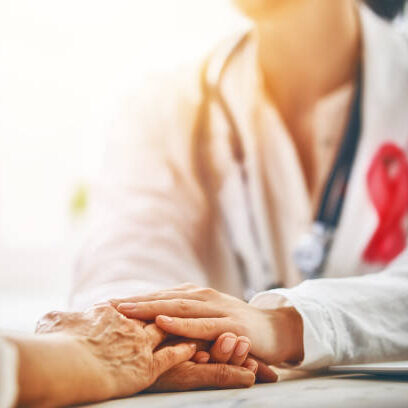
(314, 246)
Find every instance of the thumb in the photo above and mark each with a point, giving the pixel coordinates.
(170, 356)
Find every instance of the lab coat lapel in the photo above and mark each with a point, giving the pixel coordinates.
(243, 99)
(385, 119)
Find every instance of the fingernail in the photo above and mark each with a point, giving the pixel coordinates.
(252, 367)
(127, 307)
(166, 319)
(227, 345)
(203, 360)
(242, 349)
(192, 346)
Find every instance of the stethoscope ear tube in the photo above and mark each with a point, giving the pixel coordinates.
(314, 246)
(211, 80)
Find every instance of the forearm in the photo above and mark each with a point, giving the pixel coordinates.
(349, 320)
(54, 371)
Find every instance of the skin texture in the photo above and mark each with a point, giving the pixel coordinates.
(101, 354)
(209, 370)
(92, 356)
(206, 314)
(217, 353)
(192, 376)
(202, 373)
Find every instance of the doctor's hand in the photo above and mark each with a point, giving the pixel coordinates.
(202, 313)
(93, 356)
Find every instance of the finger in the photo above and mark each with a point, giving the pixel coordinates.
(162, 295)
(251, 365)
(170, 356)
(204, 329)
(265, 374)
(201, 357)
(190, 376)
(201, 345)
(174, 307)
(155, 335)
(186, 286)
(241, 351)
(223, 348)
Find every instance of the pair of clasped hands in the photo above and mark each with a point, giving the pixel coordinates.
(174, 340)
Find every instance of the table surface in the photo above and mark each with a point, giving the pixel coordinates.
(342, 391)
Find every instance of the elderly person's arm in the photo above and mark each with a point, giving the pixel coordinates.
(97, 356)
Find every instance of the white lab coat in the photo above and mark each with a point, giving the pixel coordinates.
(156, 226)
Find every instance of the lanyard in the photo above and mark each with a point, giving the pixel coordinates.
(311, 254)
(335, 190)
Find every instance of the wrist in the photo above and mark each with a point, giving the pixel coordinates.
(287, 328)
(47, 370)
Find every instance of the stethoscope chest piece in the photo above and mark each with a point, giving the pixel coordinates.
(312, 250)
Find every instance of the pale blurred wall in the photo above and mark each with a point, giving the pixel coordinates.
(64, 67)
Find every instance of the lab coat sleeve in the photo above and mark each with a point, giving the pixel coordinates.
(8, 374)
(350, 320)
(148, 213)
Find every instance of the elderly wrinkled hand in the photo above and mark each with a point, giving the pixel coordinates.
(190, 375)
(211, 367)
(98, 355)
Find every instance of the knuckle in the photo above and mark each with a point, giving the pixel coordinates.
(52, 322)
(116, 302)
(183, 305)
(208, 292)
(53, 316)
(167, 359)
(188, 324)
(209, 325)
(170, 355)
(240, 328)
(222, 375)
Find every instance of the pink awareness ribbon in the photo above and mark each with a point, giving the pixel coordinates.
(387, 182)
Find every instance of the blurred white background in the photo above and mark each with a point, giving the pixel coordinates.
(64, 67)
